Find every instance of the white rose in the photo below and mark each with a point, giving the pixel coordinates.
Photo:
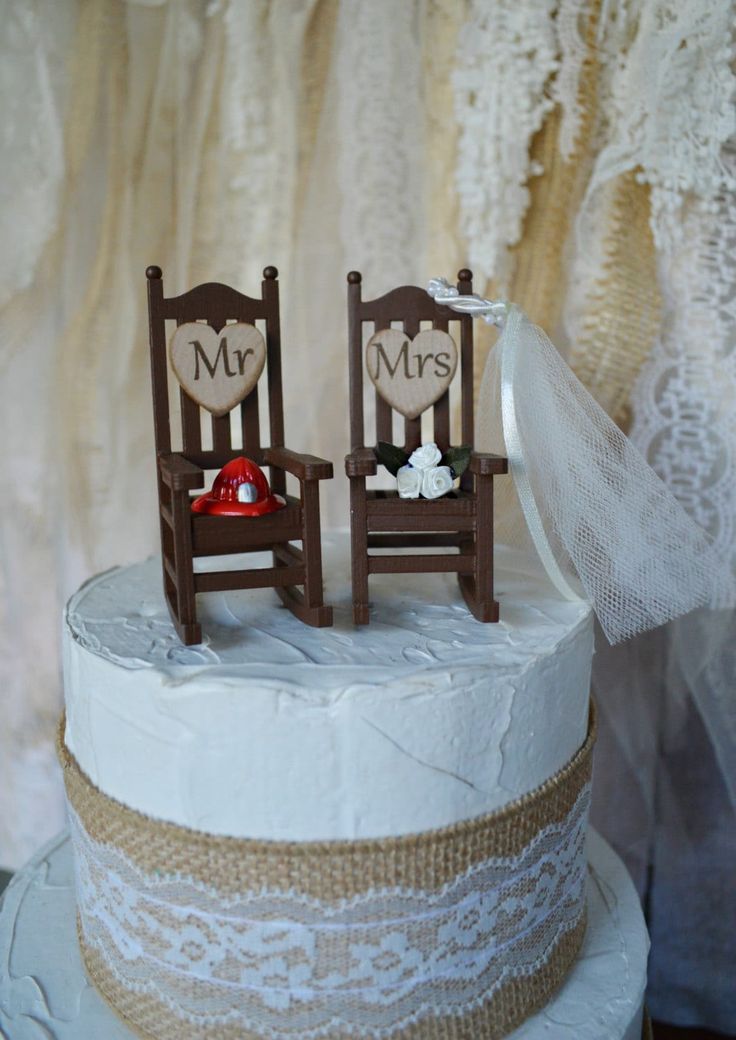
(425, 457)
(409, 482)
(436, 481)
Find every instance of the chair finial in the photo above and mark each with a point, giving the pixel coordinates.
(465, 275)
(153, 272)
(355, 278)
(270, 273)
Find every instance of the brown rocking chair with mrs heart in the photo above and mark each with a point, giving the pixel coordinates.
(217, 363)
(412, 369)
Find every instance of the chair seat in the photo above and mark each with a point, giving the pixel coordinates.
(454, 512)
(391, 499)
(215, 535)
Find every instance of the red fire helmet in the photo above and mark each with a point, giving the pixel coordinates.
(239, 489)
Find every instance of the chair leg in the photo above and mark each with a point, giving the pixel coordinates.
(317, 617)
(183, 605)
(359, 550)
(478, 590)
(190, 634)
(310, 608)
(313, 593)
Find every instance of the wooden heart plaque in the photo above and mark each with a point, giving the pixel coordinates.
(411, 374)
(217, 370)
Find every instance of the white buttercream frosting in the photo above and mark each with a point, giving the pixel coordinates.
(271, 729)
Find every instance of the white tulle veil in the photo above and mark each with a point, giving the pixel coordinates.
(605, 527)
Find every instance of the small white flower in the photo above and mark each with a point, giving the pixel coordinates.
(425, 457)
(436, 481)
(409, 482)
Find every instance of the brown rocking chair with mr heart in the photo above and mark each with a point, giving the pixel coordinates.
(220, 373)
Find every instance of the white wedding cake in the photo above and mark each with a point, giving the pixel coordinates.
(294, 832)
(277, 731)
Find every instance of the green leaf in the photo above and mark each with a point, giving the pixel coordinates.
(457, 459)
(391, 457)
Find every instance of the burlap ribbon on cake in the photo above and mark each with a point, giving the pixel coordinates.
(450, 934)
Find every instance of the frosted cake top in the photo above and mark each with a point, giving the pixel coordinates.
(417, 622)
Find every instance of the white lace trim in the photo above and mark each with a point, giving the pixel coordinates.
(685, 423)
(565, 88)
(284, 966)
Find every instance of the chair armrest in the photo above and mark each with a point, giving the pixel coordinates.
(361, 463)
(179, 473)
(305, 467)
(483, 464)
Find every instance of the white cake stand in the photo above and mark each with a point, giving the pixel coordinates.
(45, 995)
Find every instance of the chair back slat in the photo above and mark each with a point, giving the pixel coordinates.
(384, 411)
(442, 423)
(467, 375)
(191, 428)
(218, 305)
(273, 344)
(441, 416)
(221, 434)
(412, 433)
(159, 364)
(276, 397)
(355, 362)
(250, 425)
(411, 306)
(384, 420)
(412, 427)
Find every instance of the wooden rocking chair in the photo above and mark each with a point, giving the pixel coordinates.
(184, 534)
(462, 519)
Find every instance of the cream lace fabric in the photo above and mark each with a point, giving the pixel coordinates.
(507, 51)
(672, 125)
(515, 61)
(381, 115)
(572, 54)
(283, 965)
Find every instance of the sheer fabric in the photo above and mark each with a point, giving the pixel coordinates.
(591, 506)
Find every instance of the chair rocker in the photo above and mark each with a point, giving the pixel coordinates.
(461, 520)
(186, 535)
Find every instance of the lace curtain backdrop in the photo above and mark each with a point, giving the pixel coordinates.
(577, 154)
